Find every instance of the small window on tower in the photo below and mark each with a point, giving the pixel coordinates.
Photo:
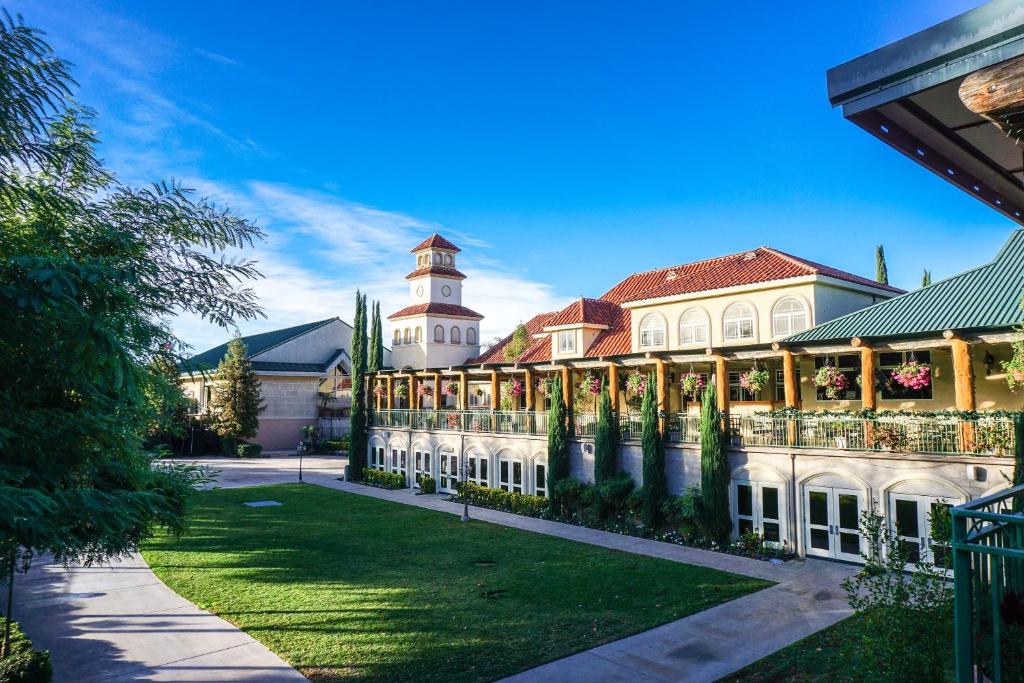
(438, 334)
(448, 260)
(471, 336)
(456, 336)
(419, 334)
(407, 336)
(398, 337)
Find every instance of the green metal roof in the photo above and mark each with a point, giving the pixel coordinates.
(274, 366)
(984, 298)
(255, 344)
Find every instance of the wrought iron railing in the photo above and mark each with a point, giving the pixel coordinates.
(898, 434)
(988, 580)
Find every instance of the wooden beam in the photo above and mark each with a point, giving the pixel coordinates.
(414, 398)
(391, 393)
(722, 384)
(567, 387)
(528, 379)
(495, 390)
(662, 388)
(868, 368)
(613, 385)
(996, 90)
(437, 391)
(463, 401)
(792, 389)
(963, 384)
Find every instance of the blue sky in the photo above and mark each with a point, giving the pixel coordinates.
(563, 145)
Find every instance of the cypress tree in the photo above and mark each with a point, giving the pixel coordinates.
(926, 278)
(558, 444)
(373, 361)
(714, 471)
(881, 270)
(654, 487)
(237, 399)
(357, 430)
(606, 439)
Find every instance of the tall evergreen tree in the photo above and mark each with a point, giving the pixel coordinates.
(606, 438)
(926, 278)
(376, 359)
(714, 471)
(881, 270)
(654, 488)
(558, 444)
(357, 441)
(237, 399)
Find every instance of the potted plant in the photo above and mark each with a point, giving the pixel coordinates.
(636, 383)
(754, 380)
(1014, 367)
(379, 391)
(422, 390)
(450, 388)
(834, 382)
(591, 383)
(889, 437)
(912, 375)
(692, 384)
(401, 389)
(544, 385)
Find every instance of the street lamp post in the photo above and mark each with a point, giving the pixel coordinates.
(464, 473)
(302, 451)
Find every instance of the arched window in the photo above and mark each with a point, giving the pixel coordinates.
(438, 334)
(406, 336)
(739, 322)
(788, 317)
(471, 336)
(419, 334)
(693, 327)
(398, 337)
(437, 258)
(652, 331)
(448, 259)
(456, 335)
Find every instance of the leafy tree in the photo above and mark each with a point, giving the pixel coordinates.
(358, 440)
(606, 438)
(517, 345)
(91, 270)
(714, 471)
(237, 399)
(558, 444)
(881, 270)
(926, 278)
(375, 360)
(654, 488)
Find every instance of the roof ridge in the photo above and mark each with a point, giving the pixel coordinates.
(812, 265)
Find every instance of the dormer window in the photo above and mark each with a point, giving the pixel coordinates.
(566, 341)
(652, 331)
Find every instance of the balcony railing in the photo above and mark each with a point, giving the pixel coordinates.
(898, 434)
(988, 580)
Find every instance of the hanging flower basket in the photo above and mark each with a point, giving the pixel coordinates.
(453, 420)
(379, 391)
(544, 385)
(913, 375)
(692, 384)
(450, 388)
(401, 389)
(636, 383)
(1015, 367)
(834, 382)
(512, 387)
(754, 380)
(591, 383)
(423, 390)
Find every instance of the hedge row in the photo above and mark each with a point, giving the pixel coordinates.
(383, 480)
(506, 501)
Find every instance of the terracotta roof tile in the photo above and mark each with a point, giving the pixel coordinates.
(435, 241)
(437, 309)
(437, 270)
(496, 354)
(585, 311)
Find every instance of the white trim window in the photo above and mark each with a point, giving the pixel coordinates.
(652, 331)
(471, 336)
(455, 337)
(540, 478)
(419, 334)
(566, 341)
(693, 327)
(398, 338)
(438, 334)
(407, 336)
(789, 316)
(738, 322)
(510, 475)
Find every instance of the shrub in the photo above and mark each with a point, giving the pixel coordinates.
(163, 450)
(249, 450)
(384, 480)
(613, 494)
(576, 496)
(496, 499)
(428, 485)
(331, 445)
(25, 665)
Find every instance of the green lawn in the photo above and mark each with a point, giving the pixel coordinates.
(346, 587)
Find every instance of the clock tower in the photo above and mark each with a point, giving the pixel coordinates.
(435, 330)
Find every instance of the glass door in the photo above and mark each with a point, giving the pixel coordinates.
(399, 461)
(832, 523)
(449, 475)
(478, 470)
(847, 524)
(911, 520)
(818, 521)
(510, 475)
(421, 462)
(759, 508)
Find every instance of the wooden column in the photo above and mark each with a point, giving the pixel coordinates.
(613, 385)
(567, 387)
(414, 399)
(963, 383)
(437, 391)
(495, 390)
(463, 401)
(661, 382)
(528, 379)
(391, 392)
(722, 390)
(790, 385)
(868, 370)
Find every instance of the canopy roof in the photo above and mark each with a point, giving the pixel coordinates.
(907, 95)
(986, 298)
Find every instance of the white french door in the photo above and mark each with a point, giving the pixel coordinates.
(832, 522)
(760, 506)
(376, 458)
(449, 473)
(540, 478)
(400, 462)
(421, 465)
(510, 475)
(910, 517)
(478, 470)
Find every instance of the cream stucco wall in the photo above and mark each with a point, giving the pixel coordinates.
(427, 353)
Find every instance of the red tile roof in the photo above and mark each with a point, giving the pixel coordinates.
(436, 270)
(435, 241)
(436, 309)
(496, 354)
(585, 311)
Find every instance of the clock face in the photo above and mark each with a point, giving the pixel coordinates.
(446, 290)
(419, 291)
